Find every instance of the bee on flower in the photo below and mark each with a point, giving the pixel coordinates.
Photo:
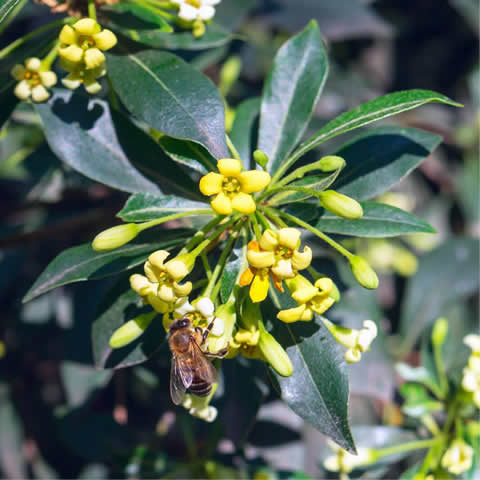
(276, 256)
(233, 187)
(33, 80)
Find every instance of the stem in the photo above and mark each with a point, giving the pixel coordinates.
(206, 265)
(51, 56)
(318, 233)
(200, 235)
(198, 250)
(270, 213)
(20, 41)
(92, 12)
(232, 148)
(212, 289)
(437, 355)
(154, 7)
(406, 447)
(256, 227)
(262, 219)
(430, 423)
(158, 221)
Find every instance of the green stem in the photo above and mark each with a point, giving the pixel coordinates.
(407, 447)
(256, 227)
(198, 250)
(212, 287)
(175, 216)
(440, 367)
(270, 213)
(20, 41)
(430, 423)
(92, 12)
(206, 265)
(232, 149)
(286, 165)
(51, 56)
(262, 219)
(156, 8)
(200, 235)
(318, 233)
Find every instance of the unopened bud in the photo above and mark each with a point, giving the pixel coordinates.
(131, 330)
(260, 158)
(229, 74)
(115, 237)
(439, 332)
(363, 272)
(274, 354)
(330, 163)
(198, 29)
(340, 205)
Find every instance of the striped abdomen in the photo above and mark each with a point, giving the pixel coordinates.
(199, 387)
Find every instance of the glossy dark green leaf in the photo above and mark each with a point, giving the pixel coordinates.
(8, 101)
(142, 207)
(189, 154)
(379, 220)
(457, 261)
(81, 132)
(318, 389)
(130, 17)
(175, 99)
(380, 158)
(290, 93)
(215, 36)
(372, 111)
(6, 6)
(242, 129)
(234, 267)
(82, 263)
(120, 305)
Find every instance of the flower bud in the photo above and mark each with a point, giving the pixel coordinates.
(131, 330)
(363, 272)
(458, 457)
(330, 163)
(260, 158)
(229, 74)
(439, 332)
(340, 205)
(115, 237)
(274, 353)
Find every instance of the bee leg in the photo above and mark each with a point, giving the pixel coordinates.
(207, 331)
(220, 354)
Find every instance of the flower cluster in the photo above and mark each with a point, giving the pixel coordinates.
(193, 14)
(81, 53)
(471, 373)
(33, 80)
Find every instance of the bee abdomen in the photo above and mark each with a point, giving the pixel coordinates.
(200, 387)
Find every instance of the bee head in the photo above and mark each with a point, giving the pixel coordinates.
(180, 324)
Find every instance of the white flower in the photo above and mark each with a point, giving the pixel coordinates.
(471, 373)
(458, 458)
(191, 10)
(203, 308)
(32, 80)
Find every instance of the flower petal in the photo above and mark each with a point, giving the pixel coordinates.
(222, 204)
(230, 167)
(105, 39)
(72, 53)
(94, 58)
(254, 180)
(269, 240)
(211, 183)
(246, 278)
(68, 36)
(72, 81)
(40, 93)
(157, 258)
(22, 90)
(92, 86)
(291, 314)
(182, 289)
(177, 269)
(33, 64)
(183, 307)
(205, 306)
(86, 26)
(289, 237)
(283, 269)
(300, 260)
(18, 72)
(206, 12)
(187, 12)
(305, 294)
(244, 203)
(260, 259)
(48, 79)
(259, 288)
(166, 293)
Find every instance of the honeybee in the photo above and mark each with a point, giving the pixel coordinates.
(191, 371)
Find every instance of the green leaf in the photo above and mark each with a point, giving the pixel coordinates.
(175, 99)
(246, 115)
(215, 36)
(448, 273)
(120, 305)
(6, 6)
(81, 132)
(380, 158)
(372, 111)
(379, 220)
(235, 266)
(143, 207)
(188, 154)
(8, 101)
(82, 263)
(318, 389)
(290, 93)
(130, 17)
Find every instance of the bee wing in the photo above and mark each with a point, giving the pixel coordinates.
(203, 366)
(180, 379)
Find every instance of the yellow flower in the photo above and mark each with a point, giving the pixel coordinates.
(84, 42)
(310, 298)
(78, 74)
(356, 341)
(200, 406)
(232, 187)
(32, 80)
(160, 287)
(345, 462)
(471, 373)
(275, 256)
(458, 458)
